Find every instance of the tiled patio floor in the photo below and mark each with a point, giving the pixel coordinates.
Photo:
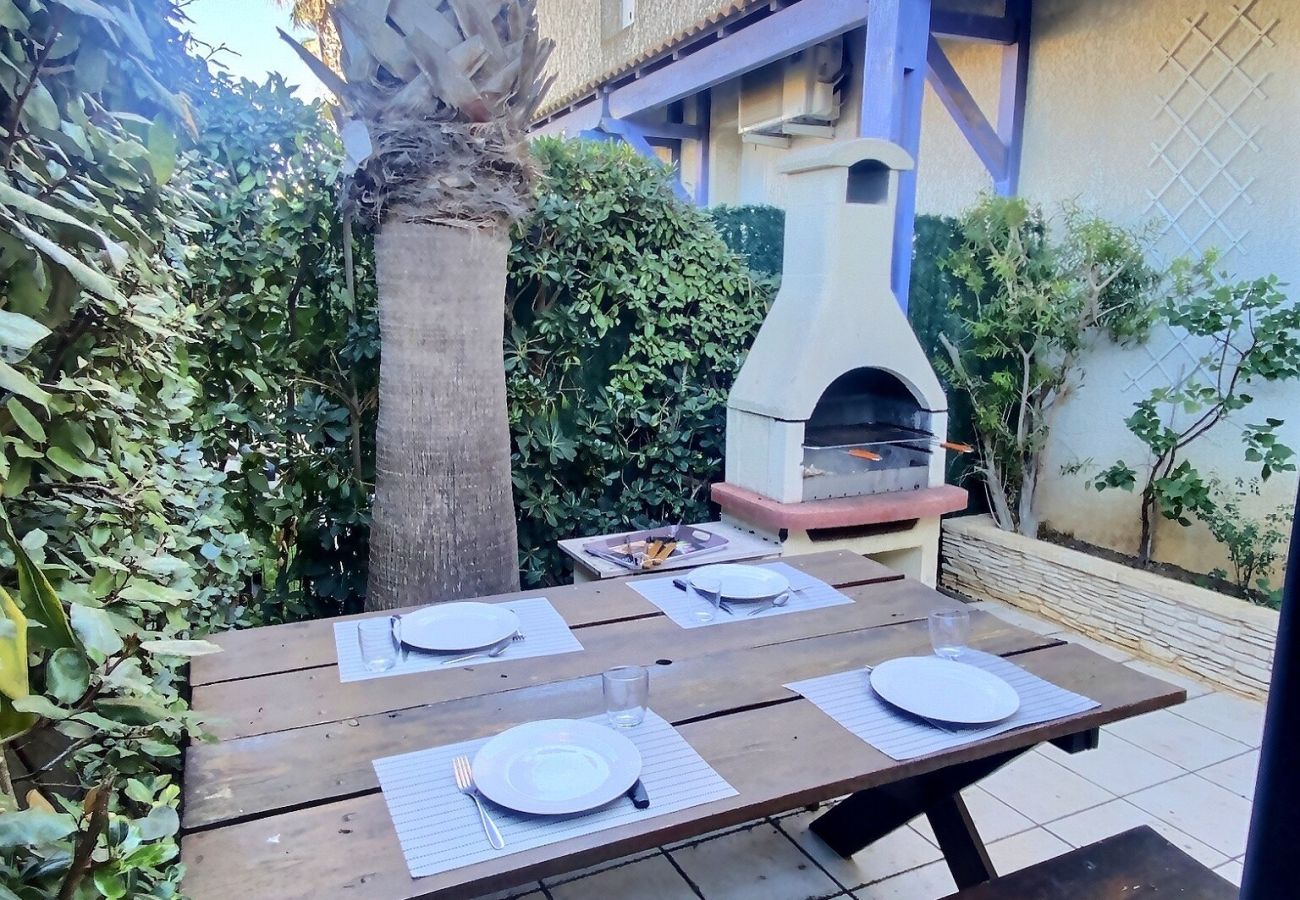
(1189, 772)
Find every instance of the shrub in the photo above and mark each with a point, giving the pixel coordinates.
(1028, 307)
(627, 319)
(122, 543)
(1253, 335)
(755, 233)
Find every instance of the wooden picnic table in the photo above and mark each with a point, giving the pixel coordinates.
(285, 802)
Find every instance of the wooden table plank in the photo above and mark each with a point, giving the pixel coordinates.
(301, 645)
(313, 696)
(258, 775)
(777, 757)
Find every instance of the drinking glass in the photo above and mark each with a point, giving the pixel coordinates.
(708, 589)
(627, 688)
(379, 643)
(949, 631)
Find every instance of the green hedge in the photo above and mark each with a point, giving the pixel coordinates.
(627, 319)
(755, 232)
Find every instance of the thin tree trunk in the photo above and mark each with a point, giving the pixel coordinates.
(444, 520)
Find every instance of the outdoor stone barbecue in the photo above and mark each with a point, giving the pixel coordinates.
(837, 425)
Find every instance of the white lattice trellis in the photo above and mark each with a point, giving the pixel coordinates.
(1216, 74)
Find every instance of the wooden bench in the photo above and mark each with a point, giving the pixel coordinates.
(1136, 863)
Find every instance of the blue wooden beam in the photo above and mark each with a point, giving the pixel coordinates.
(635, 137)
(1011, 99)
(962, 26)
(703, 118)
(893, 87)
(965, 111)
(786, 31)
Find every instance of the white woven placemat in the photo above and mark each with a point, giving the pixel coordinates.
(545, 633)
(439, 828)
(679, 605)
(847, 698)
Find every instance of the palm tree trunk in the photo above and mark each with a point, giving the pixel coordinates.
(444, 520)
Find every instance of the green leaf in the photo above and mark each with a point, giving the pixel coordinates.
(95, 629)
(37, 598)
(163, 148)
(148, 592)
(32, 206)
(25, 420)
(19, 331)
(12, 18)
(17, 383)
(41, 706)
(179, 648)
(41, 108)
(162, 821)
(13, 649)
(159, 749)
(86, 8)
(34, 827)
(90, 278)
(131, 711)
(69, 463)
(67, 675)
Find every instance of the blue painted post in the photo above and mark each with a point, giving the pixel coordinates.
(703, 114)
(893, 87)
(1011, 101)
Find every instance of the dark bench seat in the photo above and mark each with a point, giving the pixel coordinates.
(1136, 863)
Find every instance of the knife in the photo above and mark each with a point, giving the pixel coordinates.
(683, 584)
(640, 799)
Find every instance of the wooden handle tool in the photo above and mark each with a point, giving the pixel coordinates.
(956, 446)
(865, 454)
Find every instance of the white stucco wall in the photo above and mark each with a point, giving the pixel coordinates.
(1107, 80)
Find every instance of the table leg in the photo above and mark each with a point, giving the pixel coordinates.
(963, 850)
(865, 817)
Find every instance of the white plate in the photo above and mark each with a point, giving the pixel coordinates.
(556, 766)
(744, 584)
(458, 627)
(945, 689)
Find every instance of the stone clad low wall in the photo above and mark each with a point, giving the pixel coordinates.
(1202, 633)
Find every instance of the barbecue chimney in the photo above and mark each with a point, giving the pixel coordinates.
(836, 404)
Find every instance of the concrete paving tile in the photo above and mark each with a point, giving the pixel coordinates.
(897, 852)
(1116, 765)
(1101, 648)
(1092, 825)
(1193, 687)
(1043, 790)
(651, 878)
(1025, 849)
(993, 818)
(1231, 870)
(1235, 717)
(1018, 617)
(553, 880)
(1211, 814)
(757, 864)
(1236, 774)
(530, 891)
(926, 883)
(1178, 740)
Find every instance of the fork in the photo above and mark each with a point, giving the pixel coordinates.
(460, 767)
(491, 653)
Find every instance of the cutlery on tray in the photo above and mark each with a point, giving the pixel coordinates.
(637, 794)
(490, 653)
(465, 784)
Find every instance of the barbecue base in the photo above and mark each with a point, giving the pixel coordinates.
(899, 529)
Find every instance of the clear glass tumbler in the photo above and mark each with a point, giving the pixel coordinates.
(627, 689)
(708, 591)
(949, 632)
(379, 642)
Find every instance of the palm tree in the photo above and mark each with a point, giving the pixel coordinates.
(434, 100)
